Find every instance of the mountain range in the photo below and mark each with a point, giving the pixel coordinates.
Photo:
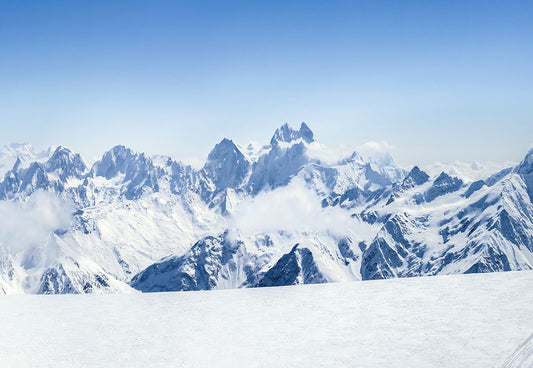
(273, 215)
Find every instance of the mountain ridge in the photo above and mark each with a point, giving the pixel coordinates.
(249, 215)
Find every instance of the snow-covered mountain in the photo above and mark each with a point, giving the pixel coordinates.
(24, 153)
(465, 171)
(251, 216)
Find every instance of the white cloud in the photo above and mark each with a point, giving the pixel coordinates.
(466, 171)
(326, 154)
(293, 208)
(370, 148)
(28, 224)
(196, 162)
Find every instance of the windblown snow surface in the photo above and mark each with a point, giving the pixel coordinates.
(474, 320)
(523, 356)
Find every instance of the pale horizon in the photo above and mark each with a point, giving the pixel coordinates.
(197, 159)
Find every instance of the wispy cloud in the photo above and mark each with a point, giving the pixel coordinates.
(327, 154)
(370, 148)
(291, 208)
(29, 223)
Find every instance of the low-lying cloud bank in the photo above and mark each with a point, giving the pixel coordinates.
(294, 208)
(29, 223)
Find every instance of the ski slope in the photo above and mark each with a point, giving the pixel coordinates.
(476, 320)
(522, 357)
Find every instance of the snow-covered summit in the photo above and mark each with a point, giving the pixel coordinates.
(527, 162)
(415, 177)
(116, 161)
(226, 165)
(286, 134)
(467, 171)
(525, 169)
(23, 153)
(235, 222)
(18, 149)
(66, 163)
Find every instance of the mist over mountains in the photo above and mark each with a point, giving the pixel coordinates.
(277, 214)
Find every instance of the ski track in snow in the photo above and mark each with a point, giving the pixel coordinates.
(523, 356)
(470, 321)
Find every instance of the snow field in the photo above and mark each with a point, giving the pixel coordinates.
(443, 321)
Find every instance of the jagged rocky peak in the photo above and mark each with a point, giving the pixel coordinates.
(444, 184)
(71, 279)
(201, 268)
(444, 178)
(16, 165)
(119, 153)
(525, 169)
(24, 153)
(226, 165)
(35, 178)
(526, 166)
(474, 187)
(117, 160)
(296, 267)
(138, 171)
(416, 177)
(66, 162)
(18, 149)
(286, 134)
(354, 157)
(225, 148)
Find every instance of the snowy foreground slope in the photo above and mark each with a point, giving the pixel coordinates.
(523, 356)
(283, 213)
(470, 321)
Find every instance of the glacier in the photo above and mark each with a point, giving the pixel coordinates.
(252, 216)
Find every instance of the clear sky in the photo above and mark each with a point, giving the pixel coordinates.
(450, 80)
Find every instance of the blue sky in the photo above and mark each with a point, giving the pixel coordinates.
(444, 81)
